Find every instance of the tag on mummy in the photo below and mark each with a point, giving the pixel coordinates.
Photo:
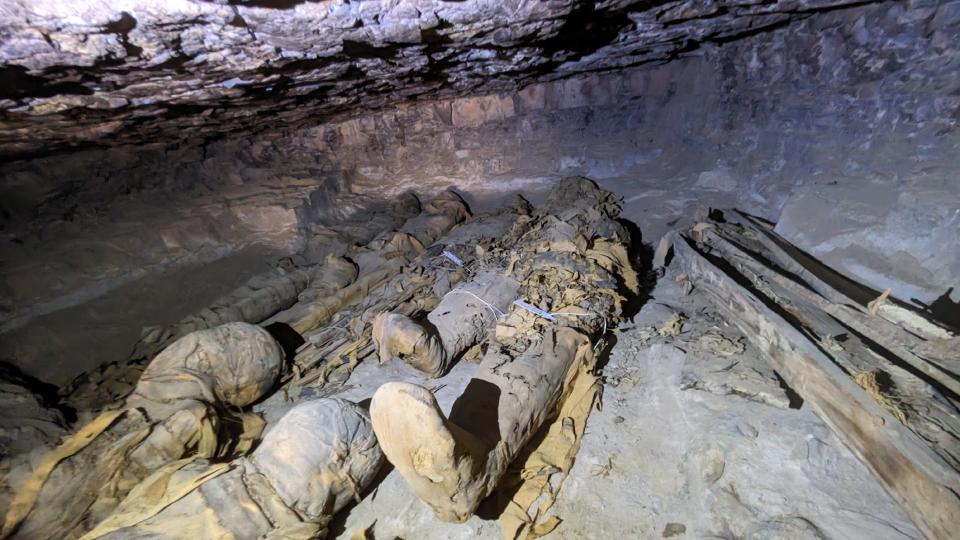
(453, 258)
(535, 310)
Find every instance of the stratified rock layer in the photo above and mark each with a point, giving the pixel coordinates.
(76, 73)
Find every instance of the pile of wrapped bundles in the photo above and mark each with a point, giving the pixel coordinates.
(185, 449)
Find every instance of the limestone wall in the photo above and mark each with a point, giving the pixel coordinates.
(844, 123)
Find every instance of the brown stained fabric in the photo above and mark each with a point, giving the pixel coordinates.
(322, 310)
(573, 269)
(467, 312)
(342, 344)
(234, 364)
(52, 503)
(177, 411)
(440, 214)
(158, 491)
(327, 279)
(383, 258)
(399, 336)
(542, 473)
(613, 257)
(85, 482)
(336, 272)
(453, 463)
(320, 456)
(313, 462)
(27, 496)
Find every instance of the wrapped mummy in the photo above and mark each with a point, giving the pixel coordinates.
(321, 455)
(462, 319)
(377, 262)
(570, 268)
(465, 313)
(265, 294)
(575, 212)
(181, 407)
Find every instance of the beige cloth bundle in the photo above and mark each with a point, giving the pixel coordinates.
(316, 459)
(180, 408)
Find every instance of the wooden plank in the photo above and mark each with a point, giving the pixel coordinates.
(878, 330)
(915, 398)
(888, 327)
(837, 287)
(919, 480)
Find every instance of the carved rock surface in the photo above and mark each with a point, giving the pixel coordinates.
(77, 73)
(900, 235)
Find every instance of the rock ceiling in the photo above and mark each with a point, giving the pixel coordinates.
(100, 72)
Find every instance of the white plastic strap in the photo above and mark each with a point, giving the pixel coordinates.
(535, 310)
(453, 258)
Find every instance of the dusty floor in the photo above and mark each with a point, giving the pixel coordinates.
(697, 438)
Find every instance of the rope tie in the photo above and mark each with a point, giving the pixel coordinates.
(494, 309)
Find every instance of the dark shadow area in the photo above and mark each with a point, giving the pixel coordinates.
(122, 27)
(229, 430)
(477, 412)
(884, 382)
(365, 404)
(338, 525)
(641, 258)
(47, 393)
(716, 215)
(792, 396)
(606, 346)
(584, 31)
(269, 4)
(288, 339)
(943, 309)
(16, 83)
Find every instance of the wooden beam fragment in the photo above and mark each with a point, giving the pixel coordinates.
(920, 481)
(835, 286)
(877, 329)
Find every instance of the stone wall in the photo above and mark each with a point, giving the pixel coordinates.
(846, 124)
(843, 126)
(98, 73)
